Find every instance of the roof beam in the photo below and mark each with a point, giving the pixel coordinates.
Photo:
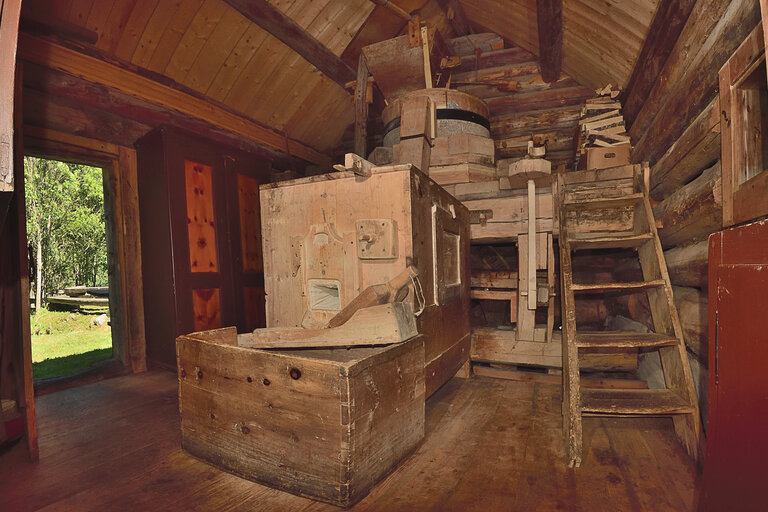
(271, 19)
(549, 16)
(110, 72)
(666, 27)
(455, 14)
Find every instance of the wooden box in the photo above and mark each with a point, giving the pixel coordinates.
(327, 424)
(603, 158)
(328, 237)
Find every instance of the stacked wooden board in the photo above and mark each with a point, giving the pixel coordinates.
(602, 139)
(462, 158)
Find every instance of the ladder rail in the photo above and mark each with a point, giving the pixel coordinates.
(571, 384)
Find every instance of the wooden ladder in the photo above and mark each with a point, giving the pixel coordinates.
(606, 209)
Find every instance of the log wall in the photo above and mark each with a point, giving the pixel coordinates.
(677, 130)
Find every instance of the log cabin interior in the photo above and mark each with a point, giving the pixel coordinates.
(398, 254)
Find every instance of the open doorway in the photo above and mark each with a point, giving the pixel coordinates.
(69, 266)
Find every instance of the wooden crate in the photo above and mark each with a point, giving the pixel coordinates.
(603, 158)
(312, 239)
(327, 424)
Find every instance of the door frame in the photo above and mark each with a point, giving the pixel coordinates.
(119, 167)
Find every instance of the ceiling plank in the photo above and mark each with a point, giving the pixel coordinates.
(292, 35)
(549, 17)
(666, 27)
(122, 76)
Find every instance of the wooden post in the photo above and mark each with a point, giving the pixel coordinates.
(427, 64)
(531, 245)
(549, 15)
(361, 108)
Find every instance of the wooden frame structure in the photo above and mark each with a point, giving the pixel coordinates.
(119, 164)
(744, 166)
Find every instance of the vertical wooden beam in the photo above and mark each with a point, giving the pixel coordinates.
(361, 108)
(549, 16)
(23, 319)
(532, 245)
(133, 291)
(764, 18)
(666, 27)
(9, 28)
(427, 64)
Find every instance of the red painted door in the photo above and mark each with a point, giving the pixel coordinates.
(736, 466)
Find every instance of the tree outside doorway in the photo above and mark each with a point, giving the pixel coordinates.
(68, 248)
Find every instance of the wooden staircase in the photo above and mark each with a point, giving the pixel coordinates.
(610, 209)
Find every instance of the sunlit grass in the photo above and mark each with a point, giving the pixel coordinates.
(64, 343)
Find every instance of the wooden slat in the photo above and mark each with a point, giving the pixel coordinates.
(635, 285)
(130, 82)
(544, 378)
(610, 242)
(603, 202)
(626, 339)
(633, 401)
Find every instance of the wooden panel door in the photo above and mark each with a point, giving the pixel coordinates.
(244, 176)
(201, 248)
(735, 469)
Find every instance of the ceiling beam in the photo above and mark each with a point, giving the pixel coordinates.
(113, 73)
(549, 16)
(271, 19)
(666, 27)
(455, 14)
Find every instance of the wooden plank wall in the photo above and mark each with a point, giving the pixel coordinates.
(678, 129)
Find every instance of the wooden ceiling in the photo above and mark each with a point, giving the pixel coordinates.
(211, 48)
(208, 46)
(601, 38)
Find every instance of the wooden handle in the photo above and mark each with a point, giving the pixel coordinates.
(401, 280)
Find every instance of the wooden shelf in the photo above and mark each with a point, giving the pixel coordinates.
(604, 202)
(631, 285)
(610, 242)
(633, 401)
(623, 339)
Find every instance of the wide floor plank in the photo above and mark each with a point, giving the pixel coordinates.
(490, 445)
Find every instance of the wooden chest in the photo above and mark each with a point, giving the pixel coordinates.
(326, 238)
(324, 423)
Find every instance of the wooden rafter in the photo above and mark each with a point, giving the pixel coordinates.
(549, 15)
(667, 24)
(110, 73)
(455, 14)
(295, 37)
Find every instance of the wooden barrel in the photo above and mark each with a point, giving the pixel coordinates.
(457, 112)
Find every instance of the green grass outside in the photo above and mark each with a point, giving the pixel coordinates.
(64, 343)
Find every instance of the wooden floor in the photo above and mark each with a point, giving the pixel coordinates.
(490, 445)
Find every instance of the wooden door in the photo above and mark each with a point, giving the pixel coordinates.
(735, 471)
(201, 250)
(244, 176)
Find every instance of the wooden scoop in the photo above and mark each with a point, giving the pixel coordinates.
(374, 295)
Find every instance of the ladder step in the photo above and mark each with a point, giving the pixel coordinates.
(633, 401)
(631, 285)
(610, 242)
(623, 339)
(603, 202)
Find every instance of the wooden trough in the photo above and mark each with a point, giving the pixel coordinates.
(323, 423)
